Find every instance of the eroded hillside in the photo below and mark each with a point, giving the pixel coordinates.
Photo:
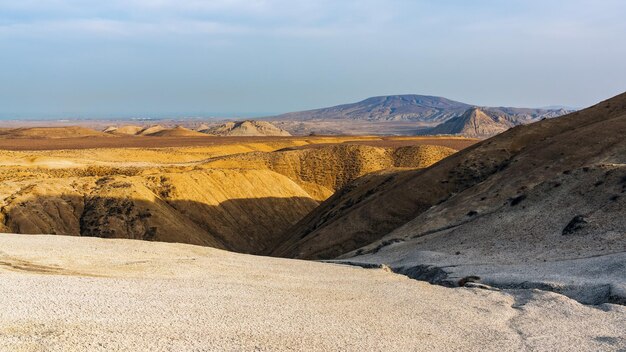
(233, 196)
(324, 170)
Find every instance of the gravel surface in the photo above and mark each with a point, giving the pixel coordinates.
(62, 293)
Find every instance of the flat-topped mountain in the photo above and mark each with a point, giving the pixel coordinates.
(411, 107)
(128, 295)
(387, 108)
(124, 130)
(245, 128)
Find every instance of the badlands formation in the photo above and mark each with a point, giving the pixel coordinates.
(235, 195)
(514, 243)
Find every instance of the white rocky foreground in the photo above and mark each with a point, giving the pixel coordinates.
(66, 293)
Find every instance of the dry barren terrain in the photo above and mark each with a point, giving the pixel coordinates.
(235, 193)
(61, 293)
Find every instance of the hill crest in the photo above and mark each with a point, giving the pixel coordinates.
(245, 128)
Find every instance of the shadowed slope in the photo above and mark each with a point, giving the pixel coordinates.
(497, 169)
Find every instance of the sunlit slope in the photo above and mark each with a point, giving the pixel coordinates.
(238, 210)
(323, 170)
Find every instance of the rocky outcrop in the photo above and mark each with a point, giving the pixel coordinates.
(245, 128)
(474, 123)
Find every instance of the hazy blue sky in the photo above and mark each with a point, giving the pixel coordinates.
(191, 57)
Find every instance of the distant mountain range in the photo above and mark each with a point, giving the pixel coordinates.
(386, 108)
(457, 117)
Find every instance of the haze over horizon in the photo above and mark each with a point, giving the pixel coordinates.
(70, 58)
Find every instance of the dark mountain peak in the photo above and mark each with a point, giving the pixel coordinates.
(407, 107)
(413, 107)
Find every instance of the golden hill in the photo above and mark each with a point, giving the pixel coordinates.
(50, 132)
(323, 170)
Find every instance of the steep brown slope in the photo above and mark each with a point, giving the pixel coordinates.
(51, 132)
(474, 123)
(245, 128)
(493, 173)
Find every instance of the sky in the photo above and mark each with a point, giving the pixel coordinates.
(174, 58)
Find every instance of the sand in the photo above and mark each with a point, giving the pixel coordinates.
(63, 293)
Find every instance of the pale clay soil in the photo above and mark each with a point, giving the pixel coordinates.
(62, 293)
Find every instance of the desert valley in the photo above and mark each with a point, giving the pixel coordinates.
(277, 242)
